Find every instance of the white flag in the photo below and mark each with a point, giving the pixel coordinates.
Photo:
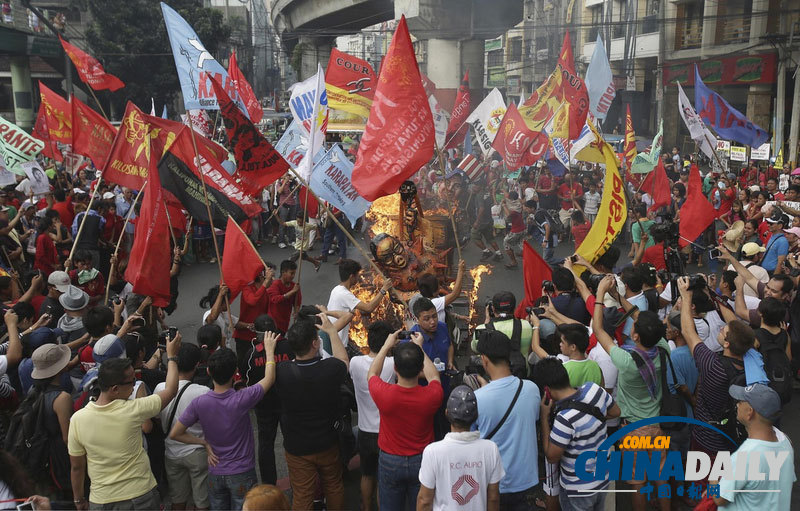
(486, 119)
(697, 129)
(440, 120)
(600, 82)
(309, 105)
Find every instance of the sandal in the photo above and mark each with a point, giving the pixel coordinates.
(511, 266)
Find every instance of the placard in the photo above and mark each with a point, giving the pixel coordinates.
(723, 148)
(738, 153)
(760, 153)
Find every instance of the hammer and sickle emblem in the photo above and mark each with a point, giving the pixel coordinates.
(359, 85)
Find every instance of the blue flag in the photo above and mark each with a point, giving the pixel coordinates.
(195, 65)
(330, 181)
(164, 112)
(728, 122)
(293, 145)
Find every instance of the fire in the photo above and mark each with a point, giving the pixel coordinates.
(477, 273)
(387, 310)
(384, 215)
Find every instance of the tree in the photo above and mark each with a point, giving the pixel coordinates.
(130, 39)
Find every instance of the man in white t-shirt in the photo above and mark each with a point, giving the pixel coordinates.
(368, 416)
(342, 299)
(428, 286)
(186, 465)
(462, 471)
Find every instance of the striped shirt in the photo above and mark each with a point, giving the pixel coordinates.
(577, 432)
(712, 398)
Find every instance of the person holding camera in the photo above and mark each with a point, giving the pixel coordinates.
(500, 317)
(406, 411)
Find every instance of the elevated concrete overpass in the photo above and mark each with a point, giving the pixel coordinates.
(451, 31)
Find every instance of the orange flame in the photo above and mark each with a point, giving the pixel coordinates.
(477, 273)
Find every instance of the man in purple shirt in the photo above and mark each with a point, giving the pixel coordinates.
(229, 443)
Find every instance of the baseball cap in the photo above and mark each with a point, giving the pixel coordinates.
(26, 204)
(462, 405)
(108, 195)
(49, 359)
(793, 230)
(765, 401)
(42, 336)
(109, 346)
(751, 249)
(59, 279)
(495, 344)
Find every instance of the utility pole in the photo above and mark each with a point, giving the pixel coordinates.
(662, 43)
(780, 103)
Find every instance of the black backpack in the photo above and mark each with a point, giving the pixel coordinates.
(728, 423)
(556, 227)
(776, 364)
(519, 368)
(573, 404)
(27, 438)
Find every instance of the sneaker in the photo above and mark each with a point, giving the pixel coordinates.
(274, 240)
(281, 245)
(487, 254)
(498, 256)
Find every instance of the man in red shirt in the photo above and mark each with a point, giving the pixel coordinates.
(654, 254)
(254, 303)
(568, 192)
(283, 294)
(63, 204)
(406, 411)
(722, 195)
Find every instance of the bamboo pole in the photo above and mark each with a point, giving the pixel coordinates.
(98, 103)
(121, 237)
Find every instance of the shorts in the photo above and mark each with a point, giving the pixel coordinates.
(513, 240)
(651, 430)
(484, 232)
(368, 452)
(188, 477)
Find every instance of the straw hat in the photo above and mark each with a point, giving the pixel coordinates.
(731, 237)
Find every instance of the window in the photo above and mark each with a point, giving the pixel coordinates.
(596, 12)
(515, 49)
(495, 58)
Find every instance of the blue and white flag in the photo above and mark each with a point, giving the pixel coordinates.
(309, 106)
(600, 82)
(331, 181)
(293, 145)
(164, 112)
(728, 122)
(195, 65)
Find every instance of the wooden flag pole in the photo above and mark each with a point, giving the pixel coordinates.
(452, 219)
(171, 231)
(98, 103)
(714, 152)
(122, 236)
(85, 214)
(302, 238)
(210, 218)
(274, 211)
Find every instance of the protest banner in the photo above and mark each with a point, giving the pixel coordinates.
(738, 153)
(331, 181)
(17, 146)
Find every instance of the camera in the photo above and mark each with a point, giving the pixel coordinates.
(404, 334)
(548, 287)
(594, 281)
(537, 311)
(697, 282)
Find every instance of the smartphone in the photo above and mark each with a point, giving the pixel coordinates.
(26, 506)
(173, 331)
(547, 395)
(714, 253)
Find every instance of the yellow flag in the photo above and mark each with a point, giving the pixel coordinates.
(612, 213)
(539, 109)
(779, 159)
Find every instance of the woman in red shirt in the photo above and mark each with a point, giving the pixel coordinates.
(46, 259)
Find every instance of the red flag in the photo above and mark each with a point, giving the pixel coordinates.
(696, 213)
(92, 135)
(427, 83)
(573, 90)
(399, 136)
(258, 164)
(58, 115)
(629, 149)
(128, 161)
(513, 138)
(41, 132)
(457, 129)
(241, 264)
(177, 220)
(313, 203)
(657, 184)
(246, 93)
(534, 271)
(149, 262)
(90, 70)
(349, 83)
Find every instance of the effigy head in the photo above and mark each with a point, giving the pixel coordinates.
(388, 251)
(408, 190)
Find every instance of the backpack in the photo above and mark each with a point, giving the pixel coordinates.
(27, 438)
(776, 364)
(574, 404)
(728, 422)
(556, 227)
(519, 367)
(672, 405)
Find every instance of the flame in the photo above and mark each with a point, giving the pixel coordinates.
(387, 310)
(477, 273)
(384, 214)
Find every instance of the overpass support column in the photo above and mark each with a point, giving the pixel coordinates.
(313, 50)
(21, 87)
(447, 61)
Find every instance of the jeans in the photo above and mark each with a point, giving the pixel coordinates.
(517, 501)
(576, 503)
(267, 421)
(303, 472)
(146, 502)
(398, 481)
(286, 213)
(327, 240)
(227, 492)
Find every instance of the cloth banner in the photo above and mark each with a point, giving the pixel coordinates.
(293, 145)
(697, 130)
(613, 209)
(587, 147)
(600, 81)
(92, 134)
(646, 162)
(697, 208)
(486, 118)
(456, 131)
(513, 138)
(629, 147)
(241, 264)
(252, 107)
(440, 120)
(350, 83)
(534, 271)
(728, 122)
(90, 70)
(58, 114)
(258, 164)
(201, 121)
(16, 146)
(331, 181)
(309, 106)
(399, 137)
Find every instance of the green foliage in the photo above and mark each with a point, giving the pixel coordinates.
(135, 30)
(297, 56)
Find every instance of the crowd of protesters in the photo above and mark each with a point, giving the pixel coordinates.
(105, 407)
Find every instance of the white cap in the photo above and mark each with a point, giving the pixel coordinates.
(108, 195)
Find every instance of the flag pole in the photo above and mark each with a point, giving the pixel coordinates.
(171, 231)
(713, 151)
(122, 235)
(98, 103)
(210, 218)
(302, 238)
(452, 219)
(85, 214)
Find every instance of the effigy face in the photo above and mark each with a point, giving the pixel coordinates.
(403, 263)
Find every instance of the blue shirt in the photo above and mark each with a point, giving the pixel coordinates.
(77, 222)
(777, 246)
(640, 301)
(685, 373)
(516, 438)
(122, 210)
(436, 346)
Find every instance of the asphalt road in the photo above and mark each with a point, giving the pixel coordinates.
(197, 278)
